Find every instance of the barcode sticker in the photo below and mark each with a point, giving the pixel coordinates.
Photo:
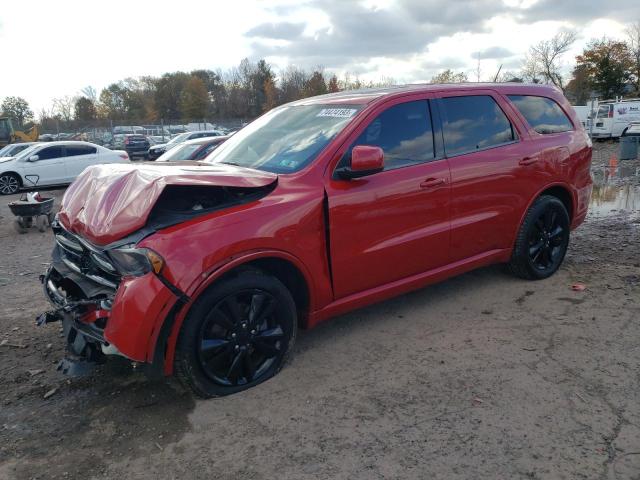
(337, 112)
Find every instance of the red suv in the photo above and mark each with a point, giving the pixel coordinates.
(318, 207)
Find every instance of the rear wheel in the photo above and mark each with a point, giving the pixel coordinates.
(542, 240)
(238, 334)
(9, 183)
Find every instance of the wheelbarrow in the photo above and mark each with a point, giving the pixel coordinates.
(32, 210)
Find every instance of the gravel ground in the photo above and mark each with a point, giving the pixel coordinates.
(482, 376)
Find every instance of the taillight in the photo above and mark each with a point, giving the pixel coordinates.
(126, 141)
(611, 111)
(124, 156)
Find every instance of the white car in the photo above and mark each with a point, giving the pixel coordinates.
(53, 163)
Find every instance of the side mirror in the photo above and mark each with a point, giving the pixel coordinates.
(365, 160)
(33, 158)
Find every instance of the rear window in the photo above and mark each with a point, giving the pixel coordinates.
(543, 114)
(472, 123)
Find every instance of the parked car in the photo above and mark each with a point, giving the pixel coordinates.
(13, 149)
(196, 149)
(156, 150)
(53, 163)
(135, 145)
(318, 207)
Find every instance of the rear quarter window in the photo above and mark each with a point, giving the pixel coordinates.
(543, 114)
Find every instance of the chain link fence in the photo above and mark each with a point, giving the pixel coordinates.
(106, 132)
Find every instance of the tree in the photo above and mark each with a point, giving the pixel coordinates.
(315, 85)
(270, 95)
(333, 86)
(579, 87)
(607, 64)
(168, 94)
(85, 109)
(633, 42)
(112, 102)
(449, 76)
(18, 109)
(64, 107)
(194, 101)
(544, 59)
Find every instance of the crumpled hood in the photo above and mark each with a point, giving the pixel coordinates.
(108, 202)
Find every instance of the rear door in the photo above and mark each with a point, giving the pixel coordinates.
(77, 158)
(393, 224)
(485, 155)
(49, 169)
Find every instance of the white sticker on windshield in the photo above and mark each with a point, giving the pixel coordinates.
(337, 112)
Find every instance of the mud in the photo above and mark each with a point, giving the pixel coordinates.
(482, 376)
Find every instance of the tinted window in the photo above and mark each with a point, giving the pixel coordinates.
(75, 150)
(403, 132)
(50, 152)
(206, 150)
(543, 114)
(474, 123)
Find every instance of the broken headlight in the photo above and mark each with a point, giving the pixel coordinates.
(136, 261)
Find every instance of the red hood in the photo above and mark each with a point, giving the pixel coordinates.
(108, 202)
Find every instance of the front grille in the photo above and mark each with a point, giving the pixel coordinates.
(84, 259)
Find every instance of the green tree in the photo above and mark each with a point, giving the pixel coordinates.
(315, 85)
(194, 101)
(18, 109)
(579, 87)
(112, 102)
(84, 109)
(607, 65)
(168, 94)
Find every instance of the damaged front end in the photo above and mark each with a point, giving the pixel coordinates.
(81, 283)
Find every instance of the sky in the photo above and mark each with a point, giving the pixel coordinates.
(55, 48)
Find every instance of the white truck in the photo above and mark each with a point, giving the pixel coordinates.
(612, 118)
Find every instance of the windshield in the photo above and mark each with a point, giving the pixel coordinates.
(180, 138)
(286, 139)
(181, 152)
(27, 151)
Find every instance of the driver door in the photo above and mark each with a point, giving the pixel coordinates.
(393, 224)
(48, 169)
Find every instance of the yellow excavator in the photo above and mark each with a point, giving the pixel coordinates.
(9, 135)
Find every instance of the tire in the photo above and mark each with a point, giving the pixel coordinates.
(542, 240)
(42, 222)
(19, 226)
(10, 183)
(238, 334)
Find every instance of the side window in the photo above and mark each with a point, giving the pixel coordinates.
(543, 114)
(473, 123)
(404, 132)
(603, 111)
(75, 150)
(49, 153)
(206, 150)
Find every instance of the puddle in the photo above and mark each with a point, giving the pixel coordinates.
(615, 188)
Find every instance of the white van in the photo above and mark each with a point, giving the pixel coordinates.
(613, 118)
(582, 111)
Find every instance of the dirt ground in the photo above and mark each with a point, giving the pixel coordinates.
(482, 376)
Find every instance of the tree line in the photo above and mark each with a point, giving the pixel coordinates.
(606, 68)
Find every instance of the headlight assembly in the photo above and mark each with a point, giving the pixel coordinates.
(136, 261)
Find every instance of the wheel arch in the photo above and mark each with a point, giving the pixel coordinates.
(561, 191)
(13, 172)
(282, 265)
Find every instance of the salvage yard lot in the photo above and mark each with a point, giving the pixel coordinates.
(482, 376)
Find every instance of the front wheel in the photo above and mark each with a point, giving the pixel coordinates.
(9, 184)
(237, 334)
(542, 240)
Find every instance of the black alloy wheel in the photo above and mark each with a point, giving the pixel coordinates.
(238, 334)
(542, 241)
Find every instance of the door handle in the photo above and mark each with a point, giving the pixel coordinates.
(528, 160)
(433, 182)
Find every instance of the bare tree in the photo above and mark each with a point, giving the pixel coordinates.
(64, 107)
(633, 42)
(543, 62)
